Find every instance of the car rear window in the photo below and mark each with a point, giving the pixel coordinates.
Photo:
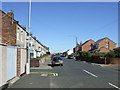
(57, 58)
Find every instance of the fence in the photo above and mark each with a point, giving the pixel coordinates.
(8, 63)
(100, 60)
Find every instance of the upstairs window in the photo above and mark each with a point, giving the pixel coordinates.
(21, 36)
(107, 45)
(18, 37)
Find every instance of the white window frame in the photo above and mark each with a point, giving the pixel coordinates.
(18, 35)
(21, 36)
(107, 45)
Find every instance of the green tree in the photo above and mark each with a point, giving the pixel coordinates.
(117, 52)
(48, 53)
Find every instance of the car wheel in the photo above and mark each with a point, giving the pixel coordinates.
(61, 65)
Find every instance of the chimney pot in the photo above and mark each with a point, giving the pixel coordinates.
(11, 14)
(24, 27)
(81, 43)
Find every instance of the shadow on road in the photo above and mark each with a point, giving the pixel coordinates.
(53, 65)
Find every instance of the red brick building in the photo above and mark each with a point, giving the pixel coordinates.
(8, 28)
(103, 45)
(86, 46)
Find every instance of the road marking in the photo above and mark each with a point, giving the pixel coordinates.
(45, 73)
(39, 72)
(114, 86)
(54, 74)
(90, 73)
(42, 68)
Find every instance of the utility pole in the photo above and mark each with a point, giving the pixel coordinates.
(76, 42)
(76, 47)
(29, 27)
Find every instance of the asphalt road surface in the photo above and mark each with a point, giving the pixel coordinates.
(74, 74)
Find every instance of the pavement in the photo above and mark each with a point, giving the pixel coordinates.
(44, 65)
(72, 74)
(112, 66)
(109, 66)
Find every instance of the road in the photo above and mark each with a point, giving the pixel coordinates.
(74, 74)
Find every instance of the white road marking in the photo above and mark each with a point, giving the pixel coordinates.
(90, 73)
(45, 75)
(114, 86)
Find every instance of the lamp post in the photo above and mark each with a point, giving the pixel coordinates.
(29, 20)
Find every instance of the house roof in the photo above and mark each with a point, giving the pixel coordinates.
(86, 42)
(14, 20)
(25, 30)
(98, 41)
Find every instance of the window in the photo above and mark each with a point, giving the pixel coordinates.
(21, 36)
(107, 45)
(18, 35)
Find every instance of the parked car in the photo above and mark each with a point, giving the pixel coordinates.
(52, 56)
(70, 57)
(57, 61)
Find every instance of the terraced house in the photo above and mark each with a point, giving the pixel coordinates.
(13, 47)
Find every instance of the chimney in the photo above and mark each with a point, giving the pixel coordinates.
(81, 43)
(11, 14)
(24, 27)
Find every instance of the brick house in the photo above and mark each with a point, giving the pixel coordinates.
(86, 46)
(8, 28)
(103, 45)
(37, 48)
(13, 47)
(15, 35)
(8, 47)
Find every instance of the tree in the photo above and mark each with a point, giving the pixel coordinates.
(48, 53)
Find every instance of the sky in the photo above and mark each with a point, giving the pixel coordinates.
(57, 24)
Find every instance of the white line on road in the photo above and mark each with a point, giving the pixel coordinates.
(90, 73)
(114, 86)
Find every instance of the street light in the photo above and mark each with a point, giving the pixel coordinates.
(29, 20)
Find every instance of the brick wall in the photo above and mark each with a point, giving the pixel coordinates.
(104, 50)
(107, 41)
(87, 45)
(34, 63)
(8, 30)
(18, 61)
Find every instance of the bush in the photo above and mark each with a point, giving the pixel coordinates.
(111, 54)
(48, 53)
(84, 54)
(117, 52)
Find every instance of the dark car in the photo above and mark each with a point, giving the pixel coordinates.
(57, 61)
(70, 57)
